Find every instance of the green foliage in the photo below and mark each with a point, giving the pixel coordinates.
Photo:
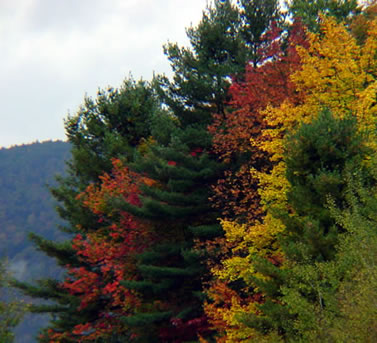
(226, 39)
(62, 251)
(334, 301)
(317, 158)
(256, 17)
(110, 126)
(200, 79)
(145, 319)
(357, 257)
(301, 301)
(309, 10)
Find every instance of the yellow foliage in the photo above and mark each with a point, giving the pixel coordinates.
(337, 74)
(331, 75)
(368, 62)
(224, 312)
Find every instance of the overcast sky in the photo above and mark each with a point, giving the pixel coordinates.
(53, 52)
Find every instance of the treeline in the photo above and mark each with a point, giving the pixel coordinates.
(235, 202)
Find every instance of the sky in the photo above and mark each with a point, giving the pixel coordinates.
(55, 52)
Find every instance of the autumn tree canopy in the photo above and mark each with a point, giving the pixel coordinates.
(211, 206)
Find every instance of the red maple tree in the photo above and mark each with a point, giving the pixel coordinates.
(108, 257)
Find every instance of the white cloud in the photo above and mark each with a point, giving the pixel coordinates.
(53, 52)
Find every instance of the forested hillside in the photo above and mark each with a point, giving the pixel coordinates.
(235, 202)
(26, 205)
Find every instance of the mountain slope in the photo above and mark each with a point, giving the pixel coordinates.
(26, 205)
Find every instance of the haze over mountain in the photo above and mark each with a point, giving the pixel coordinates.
(26, 205)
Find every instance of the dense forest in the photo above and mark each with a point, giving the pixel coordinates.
(26, 206)
(234, 202)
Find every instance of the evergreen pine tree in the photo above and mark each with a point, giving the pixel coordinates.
(184, 168)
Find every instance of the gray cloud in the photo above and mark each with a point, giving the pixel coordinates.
(67, 15)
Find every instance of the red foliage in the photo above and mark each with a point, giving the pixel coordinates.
(107, 256)
(267, 84)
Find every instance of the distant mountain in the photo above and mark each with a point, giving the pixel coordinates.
(26, 205)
